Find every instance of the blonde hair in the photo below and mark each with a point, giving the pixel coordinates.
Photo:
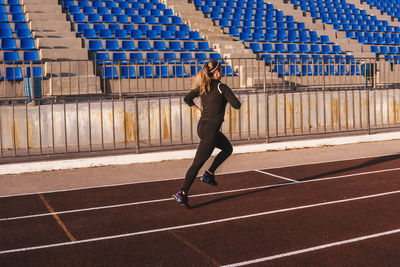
(203, 77)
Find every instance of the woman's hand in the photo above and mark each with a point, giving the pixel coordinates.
(197, 111)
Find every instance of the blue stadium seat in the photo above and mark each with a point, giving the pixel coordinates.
(195, 69)
(174, 46)
(201, 58)
(14, 74)
(128, 45)
(30, 56)
(6, 33)
(194, 35)
(81, 27)
(37, 72)
(8, 44)
(112, 45)
(89, 34)
(179, 71)
(27, 44)
(109, 72)
(153, 58)
(93, 18)
(119, 58)
(95, 45)
(106, 34)
(11, 57)
(23, 33)
(186, 58)
(162, 71)
(204, 46)
(128, 72)
(102, 58)
(136, 58)
(144, 45)
(78, 18)
(170, 58)
(145, 72)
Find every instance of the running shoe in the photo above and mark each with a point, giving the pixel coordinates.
(209, 179)
(181, 199)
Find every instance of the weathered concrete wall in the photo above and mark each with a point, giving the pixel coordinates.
(169, 121)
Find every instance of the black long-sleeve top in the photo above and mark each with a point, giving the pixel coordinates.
(214, 102)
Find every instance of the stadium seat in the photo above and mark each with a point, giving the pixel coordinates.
(112, 45)
(128, 72)
(102, 58)
(37, 72)
(14, 74)
(119, 58)
(136, 58)
(11, 57)
(145, 72)
(95, 45)
(179, 71)
(162, 71)
(30, 56)
(109, 72)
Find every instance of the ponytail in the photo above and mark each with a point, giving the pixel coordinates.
(203, 77)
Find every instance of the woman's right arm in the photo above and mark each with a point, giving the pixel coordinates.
(190, 96)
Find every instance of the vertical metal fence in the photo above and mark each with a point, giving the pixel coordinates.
(276, 105)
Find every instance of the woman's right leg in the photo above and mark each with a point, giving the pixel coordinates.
(207, 133)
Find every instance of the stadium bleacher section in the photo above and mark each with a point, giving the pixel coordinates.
(17, 45)
(142, 33)
(148, 39)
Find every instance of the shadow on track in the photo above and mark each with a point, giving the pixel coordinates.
(239, 195)
(362, 165)
(321, 175)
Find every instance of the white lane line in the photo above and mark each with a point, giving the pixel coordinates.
(277, 176)
(198, 195)
(306, 250)
(200, 223)
(142, 202)
(178, 178)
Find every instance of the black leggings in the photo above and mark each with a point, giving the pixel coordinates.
(210, 138)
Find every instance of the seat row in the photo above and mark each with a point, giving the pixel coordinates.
(21, 31)
(294, 48)
(102, 58)
(16, 73)
(138, 34)
(11, 44)
(110, 4)
(141, 11)
(130, 27)
(109, 18)
(14, 57)
(10, 9)
(283, 36)
(146, 45)
(160, 71)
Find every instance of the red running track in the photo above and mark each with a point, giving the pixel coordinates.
(333, 213)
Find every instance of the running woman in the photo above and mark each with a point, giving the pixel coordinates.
(214, 96)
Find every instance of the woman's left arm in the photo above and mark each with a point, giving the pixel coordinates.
(230, 96)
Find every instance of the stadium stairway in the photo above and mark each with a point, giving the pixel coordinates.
(57, 41)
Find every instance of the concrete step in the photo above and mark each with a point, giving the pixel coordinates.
(70, 54)
(39, 2)
(53, 34)
(59, 43)
(45, 17)
(57, 26)
(72, 85)
(43, 8)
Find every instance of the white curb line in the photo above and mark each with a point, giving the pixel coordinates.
(17, 168)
